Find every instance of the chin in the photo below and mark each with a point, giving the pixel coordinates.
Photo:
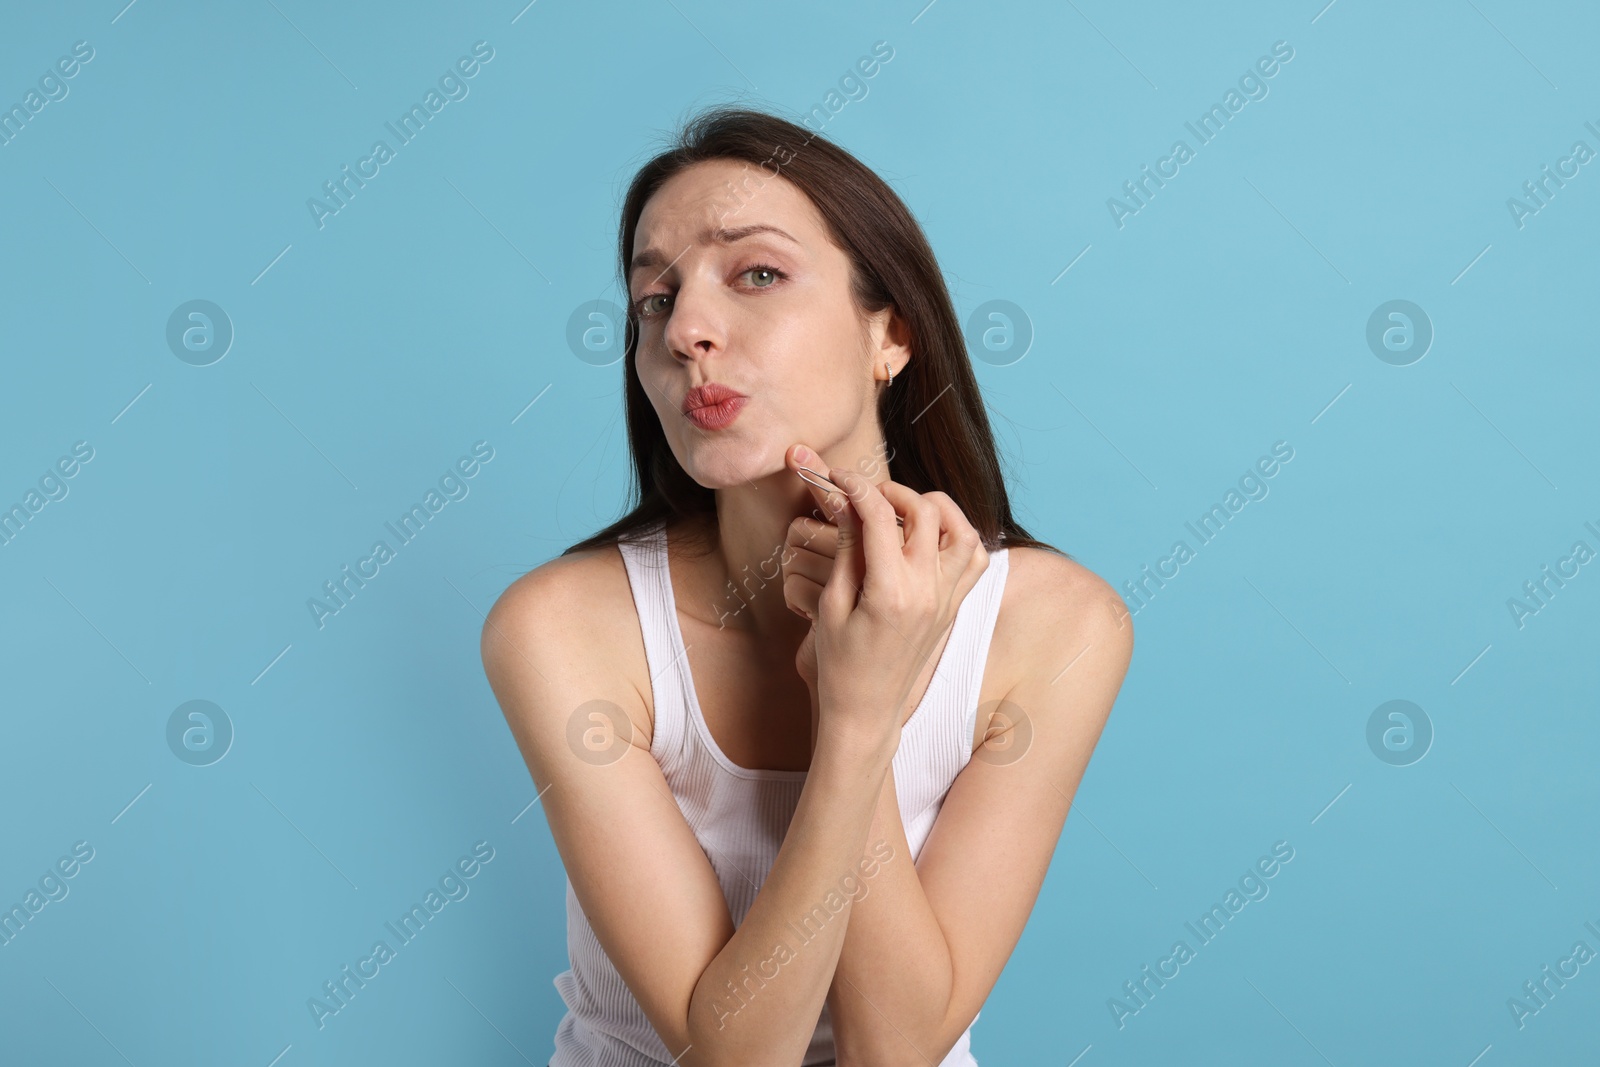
(722, 476)
(727, 465)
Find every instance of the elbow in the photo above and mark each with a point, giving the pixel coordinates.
(715, 1044)
(882, 1045)
(922, 1033)
(897, 1050)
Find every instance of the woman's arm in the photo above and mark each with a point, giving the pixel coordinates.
(716, 996)
(927, 943)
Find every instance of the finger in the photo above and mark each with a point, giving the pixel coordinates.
(922, 517)
(808, 564)
(843, 588)
(813, 535)
(799, 456)
(803, 595)
(959, 543)
(875, 518)
(808, 561)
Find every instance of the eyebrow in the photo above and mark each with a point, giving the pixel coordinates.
(722, 235)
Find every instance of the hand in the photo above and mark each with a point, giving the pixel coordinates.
(890, 592)
(806, 563)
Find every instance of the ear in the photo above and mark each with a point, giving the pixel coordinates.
(890, 337)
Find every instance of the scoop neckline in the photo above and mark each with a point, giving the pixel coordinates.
(681, 654)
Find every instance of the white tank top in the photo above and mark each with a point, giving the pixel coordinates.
(740, 815)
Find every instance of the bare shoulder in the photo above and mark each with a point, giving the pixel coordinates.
(1053, 609)
(574, 615)
(560, 585)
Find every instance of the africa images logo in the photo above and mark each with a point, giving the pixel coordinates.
(453, 86)
(338, 991)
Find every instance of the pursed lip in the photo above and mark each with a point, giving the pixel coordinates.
(708, 395)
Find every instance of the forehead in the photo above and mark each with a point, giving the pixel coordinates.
(725, 194)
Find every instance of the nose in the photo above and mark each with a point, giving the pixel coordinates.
(694, 325)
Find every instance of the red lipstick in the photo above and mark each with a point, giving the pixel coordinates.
(713, 406)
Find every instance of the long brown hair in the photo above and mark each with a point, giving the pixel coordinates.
(933, 418)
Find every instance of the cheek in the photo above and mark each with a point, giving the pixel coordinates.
(814, 360)
(656, 379)
(651, 370)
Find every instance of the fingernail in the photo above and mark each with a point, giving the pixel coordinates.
(803, 455)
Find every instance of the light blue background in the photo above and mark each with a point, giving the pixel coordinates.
(427, 315)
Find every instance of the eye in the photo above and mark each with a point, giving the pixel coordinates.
(644, 309)
(773, 272)
(770, 276)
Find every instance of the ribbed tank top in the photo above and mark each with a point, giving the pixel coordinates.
(740, 815)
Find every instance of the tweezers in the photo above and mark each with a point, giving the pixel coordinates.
(828, 487)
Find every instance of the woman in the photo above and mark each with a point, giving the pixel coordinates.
(805, 780)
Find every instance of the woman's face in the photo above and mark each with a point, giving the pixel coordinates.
(766, 314)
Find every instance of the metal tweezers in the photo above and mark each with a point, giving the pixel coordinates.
(826, 486)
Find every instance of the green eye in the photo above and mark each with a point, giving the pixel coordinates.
(645, 308)
(760, 278)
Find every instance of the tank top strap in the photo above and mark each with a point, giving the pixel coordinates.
(976, 618)
(649, 578)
